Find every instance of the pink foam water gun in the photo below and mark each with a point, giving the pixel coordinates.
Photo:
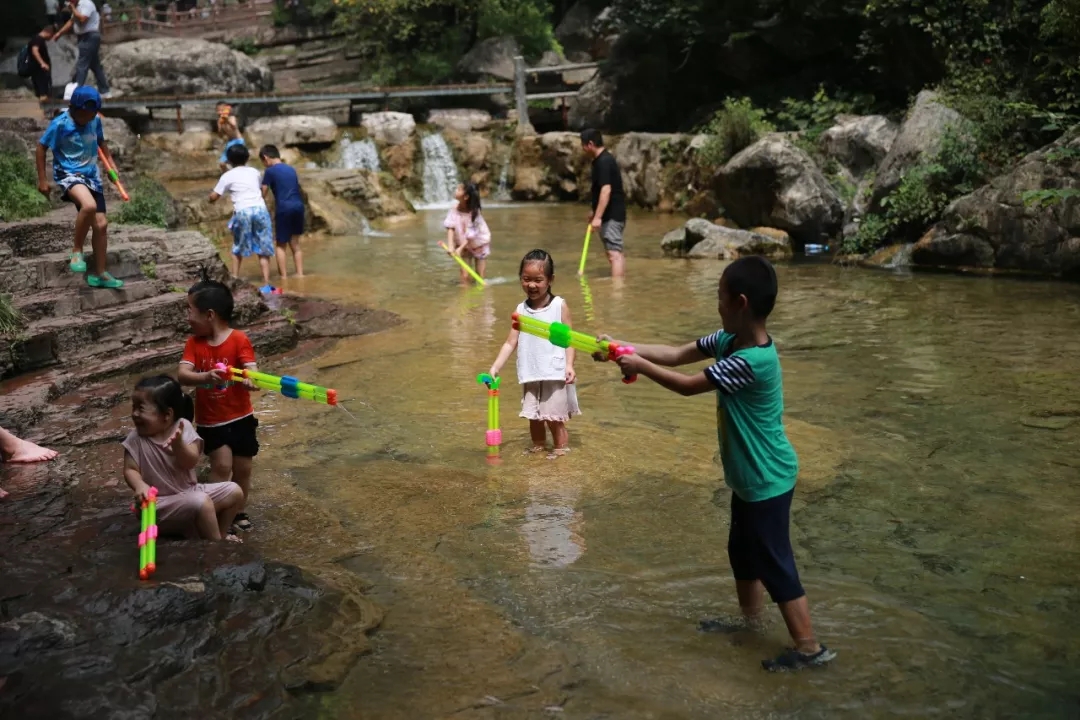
(148, 536)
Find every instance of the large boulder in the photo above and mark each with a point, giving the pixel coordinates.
(491, 58)
(1027, 220)
(473, 154)
(566, 163)
(701, 239)
(182, 66)
(591, 108)
(389, 128)
(576, 32)
(642, 158)
(305, 131)
(919, 137)
(364, 189)
(775, 184)
(460, 119)
(859, 144)
(119, 137)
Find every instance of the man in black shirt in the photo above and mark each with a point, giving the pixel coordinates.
(608, 200)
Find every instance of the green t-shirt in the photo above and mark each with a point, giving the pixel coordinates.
(759, 461)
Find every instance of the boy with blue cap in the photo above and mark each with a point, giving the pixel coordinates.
(74, 138)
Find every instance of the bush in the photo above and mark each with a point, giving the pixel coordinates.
(10, 318)
(814, 116)
(150, 205)
(873, 232)
(736, 126)
(19, 196)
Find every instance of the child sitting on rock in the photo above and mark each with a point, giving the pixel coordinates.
(162, 452)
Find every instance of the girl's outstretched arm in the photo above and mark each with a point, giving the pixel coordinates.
(504, 353)
(133, 477)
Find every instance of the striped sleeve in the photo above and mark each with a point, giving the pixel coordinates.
(730, 375)
(707, 344)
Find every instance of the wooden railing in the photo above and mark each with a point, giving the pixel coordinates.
(187, 23)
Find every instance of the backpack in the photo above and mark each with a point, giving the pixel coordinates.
(23, 63)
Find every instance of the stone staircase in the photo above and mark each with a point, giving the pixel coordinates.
(75, 336)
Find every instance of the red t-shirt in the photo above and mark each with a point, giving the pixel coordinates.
(217, 406)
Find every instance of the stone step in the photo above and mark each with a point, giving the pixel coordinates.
(62, 302)
(104, 332)
(31, 275)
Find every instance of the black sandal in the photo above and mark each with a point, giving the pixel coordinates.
(242, 521)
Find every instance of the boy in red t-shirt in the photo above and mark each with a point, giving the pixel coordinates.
(224, 417)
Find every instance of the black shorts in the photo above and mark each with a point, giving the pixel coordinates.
(759, 545)
(288, 224)
(99, 199)
(239, 435)
(42, 81)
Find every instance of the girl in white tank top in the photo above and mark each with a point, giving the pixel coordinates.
(545, 371)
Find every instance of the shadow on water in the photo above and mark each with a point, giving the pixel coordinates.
(935, 521)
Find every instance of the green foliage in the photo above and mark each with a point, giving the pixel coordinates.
(245, 45)
(149, 270)
(1040, 199)
(150, 205)
(814, 116)
(734, 127)
(924, 192)
(19, 196)
(10, 318)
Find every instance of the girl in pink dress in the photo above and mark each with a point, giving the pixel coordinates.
(467, 235)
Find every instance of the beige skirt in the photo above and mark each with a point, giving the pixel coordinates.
(549, 400)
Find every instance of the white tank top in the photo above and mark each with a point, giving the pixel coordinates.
(538, 359)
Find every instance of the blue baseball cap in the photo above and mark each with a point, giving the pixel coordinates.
(85, 98)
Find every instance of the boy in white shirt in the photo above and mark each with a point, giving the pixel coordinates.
(252, 229)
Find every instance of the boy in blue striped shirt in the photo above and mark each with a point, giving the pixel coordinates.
(760, 465)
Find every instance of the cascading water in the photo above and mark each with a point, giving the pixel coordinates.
(502, 192)
(440, 172)
(359, 155)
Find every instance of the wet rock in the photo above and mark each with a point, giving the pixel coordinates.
(182, 66)
(321, 319)
(919, 137)
(491, 58)
(400, 160)
(463, 120)
(859, 144)
(641, 158)
(189, 142)
(118, 135)
(473, 154)
(364, 189)
(776, 184)
(567, 166)
(702, 239)
(1027, 220)
(308, 132)
(389, 128)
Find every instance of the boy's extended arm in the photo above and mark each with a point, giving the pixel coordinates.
(187, 376)
(666, 355)
(670, 379)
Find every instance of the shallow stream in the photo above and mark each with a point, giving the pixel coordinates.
(936, 520)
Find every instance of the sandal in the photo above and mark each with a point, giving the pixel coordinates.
(557, 453)
(242, 521)
(77, 264)
(104, 280)
(534, 449)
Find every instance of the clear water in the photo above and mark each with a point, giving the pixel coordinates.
(935, 522)
(440, 172)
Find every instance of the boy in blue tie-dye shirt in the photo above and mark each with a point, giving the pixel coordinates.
(74, 138)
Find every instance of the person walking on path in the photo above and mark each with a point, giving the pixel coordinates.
(52, 11)
(86, 23)
(608, 199)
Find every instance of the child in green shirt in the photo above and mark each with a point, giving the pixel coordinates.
(760, 465)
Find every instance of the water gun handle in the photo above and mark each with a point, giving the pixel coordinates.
(617, 351)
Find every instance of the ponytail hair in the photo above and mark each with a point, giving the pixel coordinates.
(472, 199)
(167, 394)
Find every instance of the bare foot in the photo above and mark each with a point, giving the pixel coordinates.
(233, 538)
(28, 452)
(535, 449)
(557, 453)
(3, 494)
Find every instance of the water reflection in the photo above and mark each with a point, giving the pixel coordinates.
(552, 528)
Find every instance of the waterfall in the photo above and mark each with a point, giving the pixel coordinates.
(502, 193)
(901, 259)
(359, 155)
(440, 172)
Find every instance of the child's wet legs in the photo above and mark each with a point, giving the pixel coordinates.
(297, 256)
(481, 267)
(241, 475)
(236, 265)
(84, 221)
(206, 519)
(221, 464)
(264, 265)
(560, 435)
(538, 434)
(797, 618)
(227, 508)
(279, 255)
(100, 242)
(751, 599)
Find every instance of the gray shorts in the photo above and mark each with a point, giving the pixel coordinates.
(611, 233)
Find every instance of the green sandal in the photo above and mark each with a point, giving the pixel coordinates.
(105, 280)
(77, 264)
